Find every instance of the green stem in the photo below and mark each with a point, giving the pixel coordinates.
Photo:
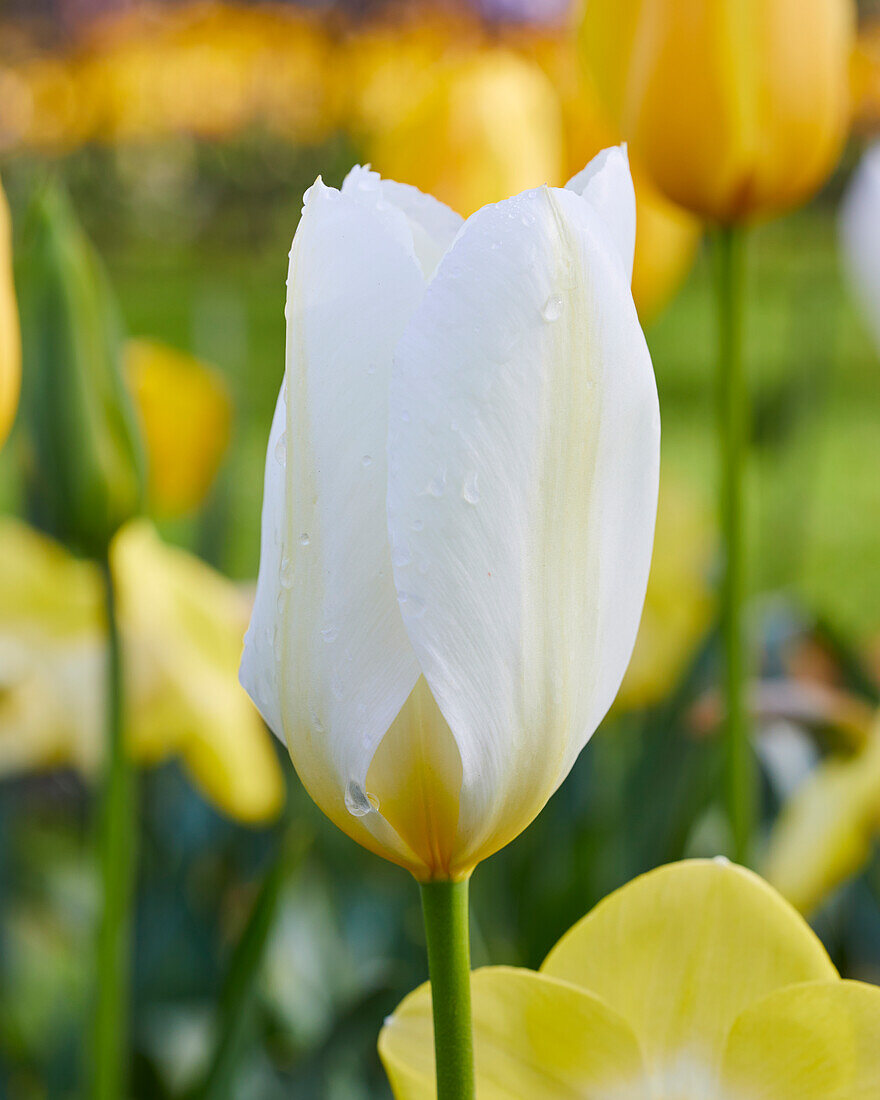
(116, 844)
(445, 909)
(733, 428)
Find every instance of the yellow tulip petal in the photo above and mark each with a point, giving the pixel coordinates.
(819, 1041)
(488, 125)
(680, 952)
(824, 833)
(10, 337)
(186, 416)
(183, 626)
(533, 1037)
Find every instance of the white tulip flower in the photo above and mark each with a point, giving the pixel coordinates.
(459, 506)
(860, 235)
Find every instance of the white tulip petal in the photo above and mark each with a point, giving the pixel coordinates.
(860, 233)
(606, 183)
(327, 658)
(523, 472)
(432, 223)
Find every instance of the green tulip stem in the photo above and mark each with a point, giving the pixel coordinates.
(733, 430)
(445, 909)
(116, 846)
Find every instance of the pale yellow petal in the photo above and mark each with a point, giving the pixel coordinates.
(186, 416)
(680, 952)
(183, 625)
(533, 1037)
(819, 1041)
(825, 831)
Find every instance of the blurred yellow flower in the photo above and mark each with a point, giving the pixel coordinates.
(186, 417)
(182, 626)
(736, 108)
(826, 831)
(10, 337)
(696, 980)
(679, 601)
(486, 125)
(202, 68)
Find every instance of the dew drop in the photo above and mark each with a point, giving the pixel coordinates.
(436, 487)
(357, 801)
(317, 724)
(528, 219)
(286, 573)
(471, 490)
(329, 634)
(281, 449)
(417, 525)
(367, 460)
(371, 368)
(552, 310)
(401, 555)
(722, 861)
(404, 416)
(411, 606)
(304, 539)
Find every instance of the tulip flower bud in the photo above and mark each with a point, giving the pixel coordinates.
(84, 468)
(10, 339)
(736, 108)
(459, 505)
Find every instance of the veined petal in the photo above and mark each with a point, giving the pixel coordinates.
(533, 1036)
(680, 952)
(326, 657)
(432, 223)
(523, 469)
(818, 1041)
(607, 184)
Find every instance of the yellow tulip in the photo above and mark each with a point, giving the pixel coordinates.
(825, 832)
(181, 626)
(186, 417)
(678, 604)
(10, 338)
(736, 108)
(485, 126)
(666, 235)
(694, 981)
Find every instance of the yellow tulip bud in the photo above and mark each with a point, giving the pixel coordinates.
(488, 125)
(666, 235)
(10, 340)
(84, 463)
(736, 108)
(186, 416)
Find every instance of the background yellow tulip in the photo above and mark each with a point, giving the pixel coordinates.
(10, 338)
(736, 108)
(186, 417)
(487, 126)
(666, 235)
(181, 624)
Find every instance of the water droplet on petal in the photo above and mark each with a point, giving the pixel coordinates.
(417, 525)
(371, 368)
(436, 487)
(404, 416)
(281, 449)
(329, 634)
(367, 460)
(722, 861)
(317, 724)
(358, 802)
(471, 490)
(286, 573)
(553, 307)
(304, 539)
(411, 606)
(401, 555)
